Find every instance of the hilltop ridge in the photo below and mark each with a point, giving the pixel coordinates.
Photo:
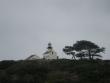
(55, 71)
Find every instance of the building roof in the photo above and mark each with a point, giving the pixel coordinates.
(33, 57)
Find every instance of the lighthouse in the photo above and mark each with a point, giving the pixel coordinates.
(50, 53)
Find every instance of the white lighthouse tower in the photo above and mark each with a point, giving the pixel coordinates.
(50, 53)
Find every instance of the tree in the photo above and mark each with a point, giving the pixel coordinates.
(80, 55)
(69, 51)
(91, 49)
(84, 48)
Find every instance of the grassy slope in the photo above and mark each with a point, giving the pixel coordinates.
(55, 71)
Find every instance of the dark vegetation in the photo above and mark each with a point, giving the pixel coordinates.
(55, 71)
(84, 49)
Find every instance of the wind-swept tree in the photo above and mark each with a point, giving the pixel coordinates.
(80, 55)
(84, 49)
(91, 49)
(69, 51)
(96, 52)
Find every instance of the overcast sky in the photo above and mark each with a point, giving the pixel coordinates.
(26, 26)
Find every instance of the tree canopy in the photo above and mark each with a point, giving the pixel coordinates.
(84, 49)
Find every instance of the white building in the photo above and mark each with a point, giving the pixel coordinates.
(50, 53)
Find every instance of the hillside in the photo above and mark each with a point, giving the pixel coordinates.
(55, 71)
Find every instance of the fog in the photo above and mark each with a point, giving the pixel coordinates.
(26, 26)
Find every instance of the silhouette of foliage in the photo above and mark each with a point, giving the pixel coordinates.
(56, 71)
(6, 63)
(83, 49)
(69, 51)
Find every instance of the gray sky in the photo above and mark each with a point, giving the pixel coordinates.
(26, 26)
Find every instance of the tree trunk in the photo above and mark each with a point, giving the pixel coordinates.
(89, 54)
(73, 57)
